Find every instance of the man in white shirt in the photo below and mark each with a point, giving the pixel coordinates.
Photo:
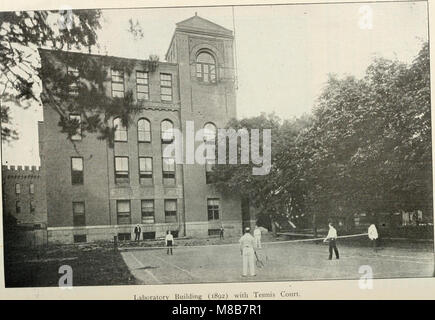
(257, 236)
(169, 241)
(373, 236)
(332, 237)
(247, 245)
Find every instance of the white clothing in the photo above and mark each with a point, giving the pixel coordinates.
(247, 245)
(332, 233)
(373, 232)
(169, 237)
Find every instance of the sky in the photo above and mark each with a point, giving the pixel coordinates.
(284, 53)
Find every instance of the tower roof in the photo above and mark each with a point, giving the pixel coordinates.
(197, 24)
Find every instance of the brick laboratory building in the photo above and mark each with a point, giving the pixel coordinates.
(95, 191)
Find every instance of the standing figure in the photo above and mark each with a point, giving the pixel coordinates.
(221, 232)
(137, 232)
(373, 236)
(169, 241)
(332, 237)
(247, 245)
(257, 236)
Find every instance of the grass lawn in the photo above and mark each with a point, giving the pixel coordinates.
(92, 265)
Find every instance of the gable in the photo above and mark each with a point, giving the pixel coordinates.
(199, 24)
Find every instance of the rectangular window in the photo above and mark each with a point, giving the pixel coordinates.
(124, 236)
(79, 214)
(145, 170)
(147, 209)
(18, 207)
(121, 170)
(170, 211)
(73, 75)
(166, 87)
(142, 85)
(168, 170)
(123, 211)
(79, 238)
(117, 84)
(213, 209)
(214, 232)
(76, 170)
(32, 188)
(149, 235)
(77, 120)
(209, 164)
(32, 206)
(17, 188)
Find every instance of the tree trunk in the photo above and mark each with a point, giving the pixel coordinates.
(314, 225)
(272, 223)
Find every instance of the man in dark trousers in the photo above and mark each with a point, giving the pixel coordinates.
(137, 232)
(221, 232)
(169, 241)
(332, 238)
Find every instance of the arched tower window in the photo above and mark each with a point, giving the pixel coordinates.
(167, 131)
(143, 130)
(120, 130)
(210, 132)
(206, 67)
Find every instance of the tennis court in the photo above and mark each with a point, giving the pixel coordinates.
(285, 260)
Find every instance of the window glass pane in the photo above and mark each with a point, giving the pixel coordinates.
(121, 164)
(143, 96)
(170, 205)
(142, 89)
(167, 130)
(118, 94)
(117, 86)
(144, 136)
(210, 132)
(147, 211)
(77, 164)
(32, 188)
(123, 206)
(120, 130)
(165, 77)
(145, 164)
(166, 91)
(213, 202)
(32, 206)
(143, 125)
(78, 207)
(168, 164)
(148, 205)
(78, 119)
(141, 77)
(17, 188)
(205, 57)
(117, 75)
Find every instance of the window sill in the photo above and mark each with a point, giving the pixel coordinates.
(122, 184)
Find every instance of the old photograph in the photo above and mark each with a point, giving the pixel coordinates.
(216, 144)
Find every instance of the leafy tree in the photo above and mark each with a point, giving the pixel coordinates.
(22, 33)
(369, 148)
(365, 149)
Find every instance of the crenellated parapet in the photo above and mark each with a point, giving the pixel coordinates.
(21, 172)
